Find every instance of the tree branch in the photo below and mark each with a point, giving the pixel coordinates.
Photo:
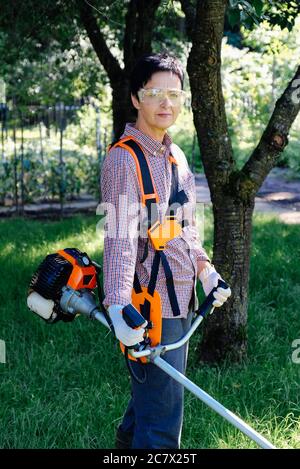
(204, 69)
(190, 16)
(273, 140)
(130, 32)
(109, 62)
(139, 25)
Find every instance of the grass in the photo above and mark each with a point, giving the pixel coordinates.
(66, 385)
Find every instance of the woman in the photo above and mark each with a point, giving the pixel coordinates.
(154, 415)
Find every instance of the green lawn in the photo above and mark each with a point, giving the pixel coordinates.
(66, 385)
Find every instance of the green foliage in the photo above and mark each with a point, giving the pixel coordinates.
(6, 180)
(250, 13)
(183, 134)
(169, 32)
(253, 79)
(283, 13)
(58, 63)
(47, 56)
(44, 177)
(245, 12)
(56, 76)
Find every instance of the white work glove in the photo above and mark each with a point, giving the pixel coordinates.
(124, 333)
(209, 278)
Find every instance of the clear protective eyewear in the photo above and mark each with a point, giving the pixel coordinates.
(157, 95)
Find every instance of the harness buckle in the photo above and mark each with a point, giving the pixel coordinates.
(161, 233)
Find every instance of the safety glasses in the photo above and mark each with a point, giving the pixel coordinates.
(157, 95)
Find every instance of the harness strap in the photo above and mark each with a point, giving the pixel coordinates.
(160, 256)
(176, 196)
(146, 182)
(149, 199)
(170, 284)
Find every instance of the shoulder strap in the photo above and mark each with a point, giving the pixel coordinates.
(150, 199)
(176, 196)
(149, 193)
(148, 190)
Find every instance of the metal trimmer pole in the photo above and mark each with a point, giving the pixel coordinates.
(153, 355)
(211, 402)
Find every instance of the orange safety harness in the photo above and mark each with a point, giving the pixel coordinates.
(145, 298)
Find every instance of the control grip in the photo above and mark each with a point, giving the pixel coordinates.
(207, 303)
(133, 317)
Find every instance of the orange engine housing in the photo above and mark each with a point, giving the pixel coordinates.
(81, 276)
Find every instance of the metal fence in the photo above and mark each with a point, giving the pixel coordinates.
(39, 160)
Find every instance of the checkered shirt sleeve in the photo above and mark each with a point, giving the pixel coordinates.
(119, 187)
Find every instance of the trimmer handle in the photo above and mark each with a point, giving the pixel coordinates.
(133, 317)
(207, 303)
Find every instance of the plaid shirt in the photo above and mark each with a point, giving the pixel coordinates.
(122, 254)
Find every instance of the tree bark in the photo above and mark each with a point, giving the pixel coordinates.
(232, 191)
(138, 33)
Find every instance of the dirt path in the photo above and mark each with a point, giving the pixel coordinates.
(86, 204)
(277, 195)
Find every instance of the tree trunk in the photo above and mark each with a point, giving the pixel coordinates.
(225, 333)
(138, 33)
(232, 191)
(122, 111)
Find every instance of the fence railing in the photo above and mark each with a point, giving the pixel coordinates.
(48, 154)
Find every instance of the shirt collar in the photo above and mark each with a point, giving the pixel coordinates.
(154, 147)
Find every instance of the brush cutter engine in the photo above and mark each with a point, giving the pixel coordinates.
(62, 286)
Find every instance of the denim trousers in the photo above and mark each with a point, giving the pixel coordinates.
(154, 414)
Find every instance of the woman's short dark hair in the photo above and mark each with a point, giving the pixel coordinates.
(148, 64)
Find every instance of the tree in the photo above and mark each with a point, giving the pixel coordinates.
(138, 32)
(232, 191)
(131, 27)
(144, 24)
(31, 30)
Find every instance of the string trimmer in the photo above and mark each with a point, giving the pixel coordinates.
(63, 287)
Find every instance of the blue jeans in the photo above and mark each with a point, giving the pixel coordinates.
(154, 414)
